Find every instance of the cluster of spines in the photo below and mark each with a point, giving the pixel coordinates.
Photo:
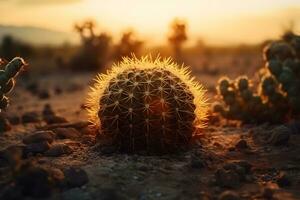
(7, 79)
(139, 104)
(277, 97)
(148, 108)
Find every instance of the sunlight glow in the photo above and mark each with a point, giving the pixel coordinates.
(216, 21)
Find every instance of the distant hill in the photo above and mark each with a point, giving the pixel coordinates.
(37, 36)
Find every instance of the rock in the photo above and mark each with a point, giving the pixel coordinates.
(33, 87)
(58, 150)
(75, 177)
(48, 110)
(58, 176)
(229, 195)
(67, 133)
(53, 119)
(283, 180)
(50, 117)
(34, 180)
(246, 165)
(36, 148)
(242, 168)
(14, 119)
(75, 87)
(279, 136)
(13, 154)
(242, 144)
(30, 117)
(227, 178)
(236, 169)
(4, 124)
(40, 136)
(58, 90)
(88, 139)
(44, 94)
(77, 125)
(143, 167)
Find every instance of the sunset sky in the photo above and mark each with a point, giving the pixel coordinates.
(216, 21)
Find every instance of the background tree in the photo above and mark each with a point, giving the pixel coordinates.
(94, 49)
(11, 47)
(177, 37)
(128, 45)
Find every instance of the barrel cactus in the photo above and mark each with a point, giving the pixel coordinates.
(147, 105)
(7, 79)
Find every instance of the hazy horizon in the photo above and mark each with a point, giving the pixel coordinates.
(230, 22)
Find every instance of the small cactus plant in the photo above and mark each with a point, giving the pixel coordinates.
(147, 105)
(7, 79)
(277, 96)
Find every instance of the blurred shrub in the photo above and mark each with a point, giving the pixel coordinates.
(127, 45)
(94, 50)
(277, 96)
(10, 48)
(177, 37)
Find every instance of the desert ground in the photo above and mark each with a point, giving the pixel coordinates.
(226, 161)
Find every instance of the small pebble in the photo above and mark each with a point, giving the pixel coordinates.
(74, 87)
(13, 154)
(44, 94)
(36, 148)
(280, 136)
(107, 149)
(227, 178)
(39, 136)
(58, 150)
(75, 177)
(229, 195)
(58, 176)
(48, 110)
(58, 90)
(30, 117)
(14, 119)
(33, 87)
(66, 133)
(54, 119)
(143, 167)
